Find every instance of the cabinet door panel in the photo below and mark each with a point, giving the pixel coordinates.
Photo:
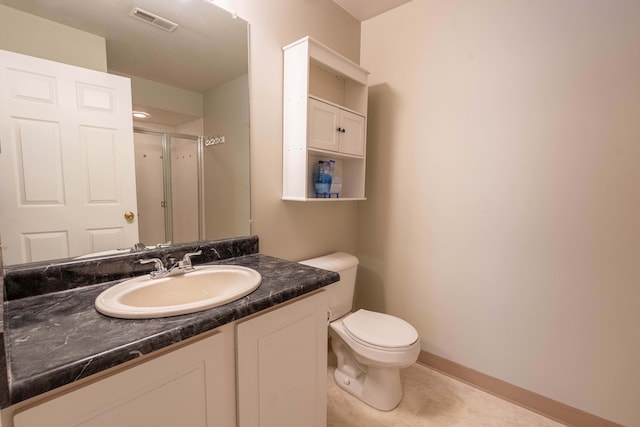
(185, 387)
(323, 126)
(282, 366)
(353, 137)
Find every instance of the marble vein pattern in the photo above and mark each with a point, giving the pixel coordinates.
(57, 338)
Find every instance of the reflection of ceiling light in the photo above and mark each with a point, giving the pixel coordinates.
(140, 114)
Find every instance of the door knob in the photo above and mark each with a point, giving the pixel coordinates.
(129, 216)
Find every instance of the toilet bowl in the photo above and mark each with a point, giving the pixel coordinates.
(370, 347)
(370, 358)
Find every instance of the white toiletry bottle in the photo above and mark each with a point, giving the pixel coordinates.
(336, 180)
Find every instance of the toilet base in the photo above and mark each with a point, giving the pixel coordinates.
(378, 387)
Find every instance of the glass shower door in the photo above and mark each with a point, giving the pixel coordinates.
(185, 188)
(169, 186)
(148, 148)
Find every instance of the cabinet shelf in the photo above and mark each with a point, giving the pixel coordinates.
(326, 101)
(325, 200)
(324, 118)
(333, 154)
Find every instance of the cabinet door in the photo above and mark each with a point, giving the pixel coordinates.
(353, 135)
(282, 366)
(323, 126)
(186, 387)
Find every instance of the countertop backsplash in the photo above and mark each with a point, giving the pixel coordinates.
(26, 280)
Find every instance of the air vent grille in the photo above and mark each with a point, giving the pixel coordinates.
(153, 19)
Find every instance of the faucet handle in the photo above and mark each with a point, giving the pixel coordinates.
(186, 260)
(138, 247)
(158, 264)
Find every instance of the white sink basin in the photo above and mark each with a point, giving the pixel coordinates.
(200, 289)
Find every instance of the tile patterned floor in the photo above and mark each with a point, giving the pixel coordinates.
(430, 399)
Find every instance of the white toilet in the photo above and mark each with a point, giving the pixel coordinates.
(371, 347)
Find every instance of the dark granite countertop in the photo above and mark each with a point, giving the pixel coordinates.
(4, 382)
(57, 338)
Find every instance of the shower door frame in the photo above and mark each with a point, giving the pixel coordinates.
(166, 177)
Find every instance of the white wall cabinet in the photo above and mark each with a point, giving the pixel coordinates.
(282, 366)
(189, 386)
(324, 118)
(334, 129)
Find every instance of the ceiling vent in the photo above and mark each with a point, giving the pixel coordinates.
(153, 19)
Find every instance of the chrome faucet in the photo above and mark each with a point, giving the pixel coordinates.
(160, 271)
(138, 247)
(173, 269)
(185, 264)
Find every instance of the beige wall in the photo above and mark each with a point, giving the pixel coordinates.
(50, 40)
(291, 230)
(226, 166)
(169, 98)
(504, 143)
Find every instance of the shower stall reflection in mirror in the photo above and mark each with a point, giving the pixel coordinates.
(169, 187)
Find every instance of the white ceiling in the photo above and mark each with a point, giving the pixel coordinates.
(365, 9)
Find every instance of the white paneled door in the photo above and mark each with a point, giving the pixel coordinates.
(67, 173)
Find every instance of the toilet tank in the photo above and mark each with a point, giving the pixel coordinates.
(340, 293)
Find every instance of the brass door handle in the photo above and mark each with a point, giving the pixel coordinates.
(129, 216)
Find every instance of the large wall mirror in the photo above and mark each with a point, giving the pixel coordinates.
(186, 64)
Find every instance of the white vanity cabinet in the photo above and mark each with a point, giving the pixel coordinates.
(192, 385)
(282, 366)
(324, 118)
(269, 369)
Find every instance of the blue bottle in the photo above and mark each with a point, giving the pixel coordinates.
(323, 180)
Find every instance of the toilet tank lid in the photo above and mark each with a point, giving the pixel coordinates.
(337, 261)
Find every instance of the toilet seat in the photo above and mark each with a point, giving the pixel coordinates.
(380, 331)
